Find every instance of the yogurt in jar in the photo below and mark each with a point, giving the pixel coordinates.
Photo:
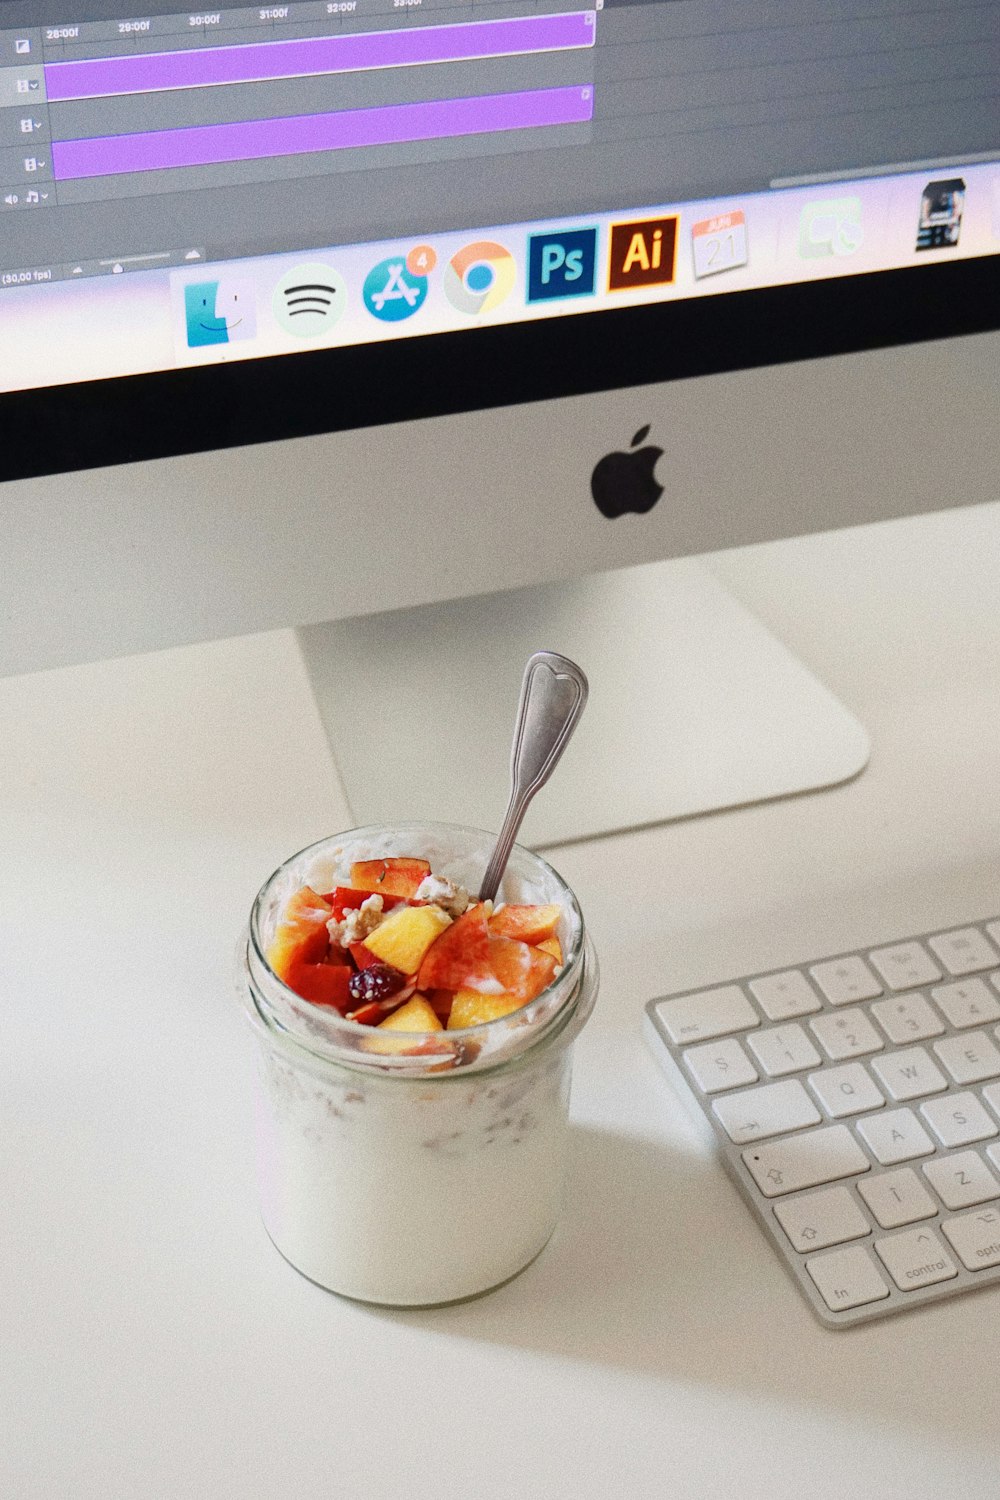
(413, 1179)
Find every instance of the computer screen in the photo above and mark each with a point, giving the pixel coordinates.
(185, 188)
(316, 310)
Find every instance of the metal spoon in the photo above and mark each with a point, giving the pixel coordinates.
(553, 694)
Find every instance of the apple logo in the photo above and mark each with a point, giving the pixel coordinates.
(625, 481)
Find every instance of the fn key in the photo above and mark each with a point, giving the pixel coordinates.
(847, 1278)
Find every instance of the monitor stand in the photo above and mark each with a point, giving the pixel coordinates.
(694, 705)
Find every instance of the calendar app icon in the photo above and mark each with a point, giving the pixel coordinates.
(720, 243)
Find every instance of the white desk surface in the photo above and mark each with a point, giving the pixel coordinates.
(152, 1342)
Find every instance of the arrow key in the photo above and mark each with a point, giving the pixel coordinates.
(916, 1258)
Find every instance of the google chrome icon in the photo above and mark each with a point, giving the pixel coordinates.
(478, 277)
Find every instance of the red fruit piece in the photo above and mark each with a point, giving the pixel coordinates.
(363, 956)
(392, 877)
(440, 1002)
(522, 970)
(530, 924)
(301, 935)
(460, 957)
(367, 1015)
(349, 898)
(322, 984)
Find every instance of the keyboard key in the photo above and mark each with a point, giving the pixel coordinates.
(786, 995)
(916, 1258)
(897, 1198)
(849, 1033)
(804, 1161)
(909, 1074)
(969, 1058)
(847, 1278)
(964, 951)
(846, 980)
(719, 1065)
(976, 1238)
(769, 1110)
(962, 1180)
(820, 1219)
(895, 1135)
(845, 1091)
(904, 965)
(707, 1014)
(991, 1093)
(783, 1049)
(910, 1018)
(958, 1120)
(967, 1003)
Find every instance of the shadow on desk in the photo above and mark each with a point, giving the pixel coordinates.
(658, 1268)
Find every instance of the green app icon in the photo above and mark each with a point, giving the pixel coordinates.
(830, 227)
(309, 300)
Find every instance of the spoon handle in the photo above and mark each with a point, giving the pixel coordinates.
(553, 695)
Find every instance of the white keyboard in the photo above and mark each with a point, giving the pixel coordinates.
(856, 1103)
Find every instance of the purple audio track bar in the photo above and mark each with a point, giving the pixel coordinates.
(250, 140)
(211, 66)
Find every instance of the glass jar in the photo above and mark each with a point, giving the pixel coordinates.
(413, 1177)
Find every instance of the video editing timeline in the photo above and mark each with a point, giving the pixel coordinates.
(691, 101)
(92, 107)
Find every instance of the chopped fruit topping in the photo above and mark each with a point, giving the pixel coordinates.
(390, 877)
(415, 1015)
(470, 1008)
(460, 959)
(440, 1003)
(530, 924)
(521, 970)
(405, 936)
(367, 1015)
(323, 984)
(375, 983)
(349, 898)
(362, 955)
(367, 949)
(301, 933)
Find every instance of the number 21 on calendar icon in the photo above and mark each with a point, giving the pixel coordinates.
(719, 244)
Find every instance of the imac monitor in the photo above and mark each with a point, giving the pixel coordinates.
(432, 327)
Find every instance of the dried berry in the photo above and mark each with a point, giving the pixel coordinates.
(374, 984)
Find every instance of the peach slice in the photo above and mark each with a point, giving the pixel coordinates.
(301, 935)
(460, 957)
(322, 984)
(521, 970)
(415, 1015)
(404, 937)
(552, 945)
(470, 1008)
(530, 924)
(389, 877)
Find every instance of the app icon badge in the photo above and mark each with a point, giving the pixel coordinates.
(561, 263)
(830, 226)
(642, 253)
(719, 244)
(421, 260)
(940, 221)
(309, 300)
(392, 292)
(479, 277)
(220, 312)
